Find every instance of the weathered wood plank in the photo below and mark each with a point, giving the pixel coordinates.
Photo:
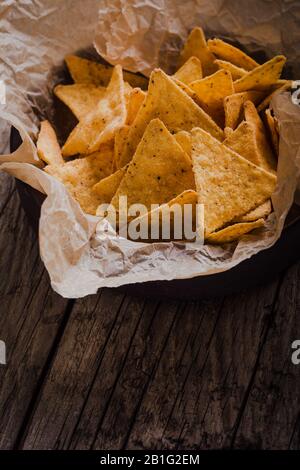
(31, 315)
(193, 402)
(271, 416)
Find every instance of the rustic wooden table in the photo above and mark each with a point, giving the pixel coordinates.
(116, 372)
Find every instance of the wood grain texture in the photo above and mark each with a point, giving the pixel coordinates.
(116, 372)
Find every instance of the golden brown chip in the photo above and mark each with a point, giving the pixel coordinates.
(243, 141)
(196, 46)
(233, 232)
(107, 187)
(88, 71)
(190, 71)
(48, 148)
(271, 124)
(81, 174)
(135, 101)
(120, 140)
(286, 85)
(226, 51)
(185, 141)
(259, 212)
(266, 155)
(236, 72)
(228, 185)
(159, 170)
(100, 125)
(81, 98)
(211, 91)
(233, 106)
(262, 77)
(166, 101)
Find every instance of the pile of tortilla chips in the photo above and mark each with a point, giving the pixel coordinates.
(203, 135)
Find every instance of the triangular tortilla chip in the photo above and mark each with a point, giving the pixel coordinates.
(107, 187)
(196, 46)
(166, 101)
(100, 125)
(120, 140)
(185, 141)
(228, 185)
(242, 140)
(236, 72)
(226, 51)
(233, 232)
(190, 71)
(134, 102)
(211, 91)
(262, 77)
(88, 71)
(259, 212)
(233, 106)
(284, 87)
(266, 155)
(81, 98)
(48, 148)
(159, 170)
(271, 124)
(81, 174)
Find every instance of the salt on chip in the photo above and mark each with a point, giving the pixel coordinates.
(262, 77)
(211, 91)
(159, 170)
(286, 85)
(243, 141)
(134, 102)
(260, 212)
(80, 175)
(266, 154)
(88, 71)
(236, 72)
(100, 125)
(81, 98)
(233, 106)
(48, 148)
(233, 232)
(196, 46)
(166, 101)
(190, 71)
(228, 185)
(271, 124)
(226, 51)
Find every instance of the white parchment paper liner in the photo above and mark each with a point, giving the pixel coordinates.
(80, 254)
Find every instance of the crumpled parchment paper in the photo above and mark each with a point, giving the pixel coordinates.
(81, 254)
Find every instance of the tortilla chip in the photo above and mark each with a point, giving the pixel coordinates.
(211, 91)
(88, 71)
(242, 141)
(100, 125)
(48, 148)
(233, 232)
(166, 101)
(190, 71)
(81, 174)
(81, 98)
(107, 187)
(226, 51)
(196, 46)
(120, 140)
(271, 125)
(184, 139)
(259, 212)
(228, 185)
(233, 106)
(262, 77)
(159, 170)
(135, 101)
(284, 87)
(266, 155)
(154, 217)
(236, 72)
